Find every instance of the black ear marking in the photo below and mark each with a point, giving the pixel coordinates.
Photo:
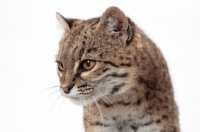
(70, 22)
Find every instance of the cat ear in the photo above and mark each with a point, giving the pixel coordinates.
(116, 25)
(62, 22)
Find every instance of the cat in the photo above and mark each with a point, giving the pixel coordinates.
(108, 65)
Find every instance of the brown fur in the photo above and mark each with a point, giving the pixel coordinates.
(145, 98)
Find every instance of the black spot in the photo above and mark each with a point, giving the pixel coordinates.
(100, 124)
(134, 128)
(85, 37)
(114, 118)
(158, 121)
(83, 42)
(150, 107)
(89, 50)
(147, 95)
(94, 49)
(75, 49)
(147, 124)
(123, 103)
(73, 79)
(108, 105)
(101, 55)
(117, 87)
(165, 117)
(139, 101)
(140, 79)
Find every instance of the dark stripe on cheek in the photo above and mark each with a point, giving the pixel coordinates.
(119, 75)
(116, 88)
(106, 69)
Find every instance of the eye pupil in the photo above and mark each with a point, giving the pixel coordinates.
(88, 64)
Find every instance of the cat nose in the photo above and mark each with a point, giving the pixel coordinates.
(67, 89)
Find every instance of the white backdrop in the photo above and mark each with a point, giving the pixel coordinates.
(29, 37)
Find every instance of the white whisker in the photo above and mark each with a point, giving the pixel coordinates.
(109, 106)
(46, 90)
(99, 112)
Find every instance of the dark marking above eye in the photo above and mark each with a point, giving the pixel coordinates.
(89, 50)
(111, 63)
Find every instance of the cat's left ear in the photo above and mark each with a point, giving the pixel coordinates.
(62, 22)
(116, 25)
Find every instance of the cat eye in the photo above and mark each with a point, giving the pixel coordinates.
(60, 66)
(88, 64)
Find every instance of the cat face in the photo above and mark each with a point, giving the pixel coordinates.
(93, 59)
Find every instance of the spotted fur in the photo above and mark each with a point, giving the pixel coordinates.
(129, 87)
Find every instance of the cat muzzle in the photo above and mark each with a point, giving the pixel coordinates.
(67, 88)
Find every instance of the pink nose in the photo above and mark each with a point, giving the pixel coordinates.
(67, 88)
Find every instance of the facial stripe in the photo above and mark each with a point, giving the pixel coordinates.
(123, 75)
(76, 67)
(111, 63)
(116, 88)
(122, 102)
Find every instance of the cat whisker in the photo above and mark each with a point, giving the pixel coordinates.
(108, 100)
(100, 112)
(46, 90)
(49, 112)
(60, 110)
(109, 107)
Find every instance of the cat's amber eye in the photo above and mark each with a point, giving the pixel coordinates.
(88, 64)
(60, 66)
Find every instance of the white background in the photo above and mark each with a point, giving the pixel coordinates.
(29, 37)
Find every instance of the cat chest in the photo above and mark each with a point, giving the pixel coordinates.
(127, 123)
(123, 127)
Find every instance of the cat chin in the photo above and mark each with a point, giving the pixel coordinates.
(83, 100)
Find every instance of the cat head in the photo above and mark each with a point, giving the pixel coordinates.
(95, 58)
